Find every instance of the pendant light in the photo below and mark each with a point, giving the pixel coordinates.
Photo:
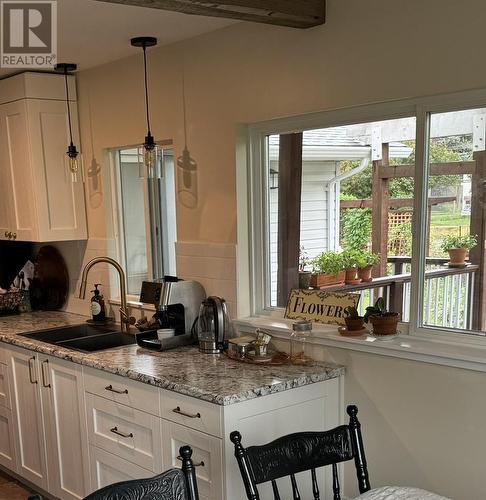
(149, 151)
(73, 157)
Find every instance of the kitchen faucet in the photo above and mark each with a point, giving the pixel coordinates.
(125, 318)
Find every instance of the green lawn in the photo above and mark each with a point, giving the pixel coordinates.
(449, 219)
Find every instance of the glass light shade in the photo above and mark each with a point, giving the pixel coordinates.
(149, 162)
(74, 165)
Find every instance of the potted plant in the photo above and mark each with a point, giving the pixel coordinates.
(304, 275)
(365, 263)
(353, 320)
(328, 270)
(350, 263)
(384, 322)
(458, 247)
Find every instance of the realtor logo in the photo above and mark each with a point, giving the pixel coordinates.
(28, 34)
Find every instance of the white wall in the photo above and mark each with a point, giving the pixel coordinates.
(422, 421)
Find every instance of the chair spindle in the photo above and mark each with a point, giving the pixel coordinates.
(315, 486)
(276, 493)
(295, 490)
(335, 483)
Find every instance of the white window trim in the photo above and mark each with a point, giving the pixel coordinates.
(251, 203)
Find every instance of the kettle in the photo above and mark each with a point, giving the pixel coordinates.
(212, 325)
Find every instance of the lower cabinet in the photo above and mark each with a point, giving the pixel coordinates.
(49, 423)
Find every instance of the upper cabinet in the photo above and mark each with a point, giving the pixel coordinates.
(39, 201)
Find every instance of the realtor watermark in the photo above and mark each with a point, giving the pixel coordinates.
(28, 34)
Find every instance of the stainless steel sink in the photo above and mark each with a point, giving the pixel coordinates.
(86, 338)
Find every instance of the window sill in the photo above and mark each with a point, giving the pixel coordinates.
(405, 346)
(133, 303)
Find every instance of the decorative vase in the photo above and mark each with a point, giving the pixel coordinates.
(351, 276)
(304, 279)
(365, 274)
(385, 325)
(457, 257)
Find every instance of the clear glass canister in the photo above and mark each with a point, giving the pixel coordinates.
(300, 347)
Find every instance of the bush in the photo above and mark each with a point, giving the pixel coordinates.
(356, 228)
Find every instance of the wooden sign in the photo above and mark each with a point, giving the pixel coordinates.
(319, 306)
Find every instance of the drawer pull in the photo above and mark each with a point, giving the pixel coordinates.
(122, 434)
(200, 464)
(190, 415)
(118, 391)
(45, 364)
(31, 372)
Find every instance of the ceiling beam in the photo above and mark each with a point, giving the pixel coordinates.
(291, 13)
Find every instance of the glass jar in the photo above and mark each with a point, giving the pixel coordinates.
(300, 347)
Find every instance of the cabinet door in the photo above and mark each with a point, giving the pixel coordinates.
(60, 202)
(108, 469)
(17, 203)
(65, 427)
(206, 454)
(7, 446)
(27, 413)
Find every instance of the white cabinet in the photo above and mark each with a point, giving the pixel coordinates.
(39, 201)
(48, 412)
(7, 448)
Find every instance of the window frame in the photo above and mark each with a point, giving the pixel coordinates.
(252, 194)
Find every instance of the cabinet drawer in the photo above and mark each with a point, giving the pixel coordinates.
(7, 450)
(126, 432)
(107, 469)
(194, 413)
(122, 390)
(206, 454)
(4, 389)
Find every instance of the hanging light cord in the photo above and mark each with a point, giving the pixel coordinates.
(146, 87)
(67, 105)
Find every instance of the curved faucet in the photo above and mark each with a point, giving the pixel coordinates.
(125, 319)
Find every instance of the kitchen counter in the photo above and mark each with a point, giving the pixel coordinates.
(213, 378)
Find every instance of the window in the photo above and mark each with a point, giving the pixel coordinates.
(146, 218)
(405, 180)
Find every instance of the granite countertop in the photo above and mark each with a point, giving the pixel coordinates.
(213, 378)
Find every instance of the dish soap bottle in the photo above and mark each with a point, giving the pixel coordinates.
(300, 346)
(98, 305)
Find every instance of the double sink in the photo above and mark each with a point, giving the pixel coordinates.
(85, 338)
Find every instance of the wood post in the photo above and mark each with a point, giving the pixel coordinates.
(379, 210)
(478, 226)
(289, 198)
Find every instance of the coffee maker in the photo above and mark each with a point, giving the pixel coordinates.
(176, 302)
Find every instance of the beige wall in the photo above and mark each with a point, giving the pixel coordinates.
(421, 421)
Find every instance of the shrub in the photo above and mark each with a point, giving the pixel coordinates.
(356, 228)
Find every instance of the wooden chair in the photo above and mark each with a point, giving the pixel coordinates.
(175, 484)
(303, 451)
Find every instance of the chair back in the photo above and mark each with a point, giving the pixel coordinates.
(175, 484)
(303, 451)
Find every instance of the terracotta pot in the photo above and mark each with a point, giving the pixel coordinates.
(365, 274)
(385, 325)
(351, 276)
(457, 256)
(304, 279)
(354, 324)
(327, 280)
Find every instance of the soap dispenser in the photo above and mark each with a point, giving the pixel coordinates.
(98, 305)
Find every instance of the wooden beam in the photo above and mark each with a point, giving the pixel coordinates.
(395, 202)
(477, 254)
(379, 211)
(289, 197)
(291, 13)
(449, 168)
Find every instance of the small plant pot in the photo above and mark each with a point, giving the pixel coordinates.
(323, 280)
(354, 324)
(364, 274)
(385, 325)
(304, 279)
(457, 257)
(351, 276)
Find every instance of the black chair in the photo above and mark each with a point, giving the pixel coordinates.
(303, 451)
(175, 484)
